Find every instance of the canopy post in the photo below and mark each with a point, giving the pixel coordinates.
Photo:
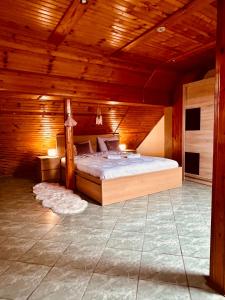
(69, 148)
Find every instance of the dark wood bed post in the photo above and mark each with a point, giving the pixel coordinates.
(217, 255)
(69, 149)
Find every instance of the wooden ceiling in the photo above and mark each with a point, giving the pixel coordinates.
(115, 41)
(117, 27)
(104, 50)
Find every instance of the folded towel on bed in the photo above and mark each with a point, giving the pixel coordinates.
(133, 155)
(123, 155)
(112, 156)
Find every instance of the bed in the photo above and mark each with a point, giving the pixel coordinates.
(109, 180)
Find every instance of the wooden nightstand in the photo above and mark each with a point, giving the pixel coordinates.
(48, 168)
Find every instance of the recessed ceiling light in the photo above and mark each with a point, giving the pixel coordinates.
(161, 29)
(83, 1)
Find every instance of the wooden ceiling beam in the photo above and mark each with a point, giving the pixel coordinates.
(186, 9)
(77, 55)
(193, 52)
(31, 83)
(88, 101)
(67, 23)
(21, 82)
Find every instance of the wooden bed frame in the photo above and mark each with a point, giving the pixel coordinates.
(110, 191)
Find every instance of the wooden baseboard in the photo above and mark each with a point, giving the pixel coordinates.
(198, 179)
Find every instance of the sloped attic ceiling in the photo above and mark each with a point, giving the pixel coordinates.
(118, 43)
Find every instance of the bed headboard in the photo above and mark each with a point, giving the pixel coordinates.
(60, 141)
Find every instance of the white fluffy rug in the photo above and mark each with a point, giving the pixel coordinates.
(58, 198)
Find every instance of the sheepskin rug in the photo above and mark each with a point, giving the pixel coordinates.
(58, 198)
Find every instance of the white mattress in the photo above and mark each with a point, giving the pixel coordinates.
(99, 166)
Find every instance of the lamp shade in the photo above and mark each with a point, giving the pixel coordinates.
(52, 152)
(122, 147)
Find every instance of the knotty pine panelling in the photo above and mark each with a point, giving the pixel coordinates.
(24, 136)
(35, 14)
(125, 30)
(28, 127)
(138, 119)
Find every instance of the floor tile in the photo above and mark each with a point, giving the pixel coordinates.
(96, 210)
(133, 213)
(162, 268)
(23, 215)
(188, 216)
(34, 231)
(82, 240)
(197, 270)
(163, 216)
(105, 287)
(81, 257)
(160, 208)
(49, 218)
(4, 265)
(9, 228)
(98, 222)
(119, 262)
(199, 294)
(138, 203)
(63, 233)
(13, 248)
(130, 225)
(160, 222)
(160, 245)
(118, 242)
(195, 246)
(126, 240)
(20, 280)
(193, 229)
(161, 229)
(45, 253)
(62, 283)
(148, 290)
(185, 207)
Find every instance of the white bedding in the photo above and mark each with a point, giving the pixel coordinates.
(99, 165)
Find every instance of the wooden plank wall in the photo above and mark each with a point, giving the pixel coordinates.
(28, 127)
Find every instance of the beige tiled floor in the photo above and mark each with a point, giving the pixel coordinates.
(155, 247)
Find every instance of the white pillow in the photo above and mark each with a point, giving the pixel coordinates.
(102, 144)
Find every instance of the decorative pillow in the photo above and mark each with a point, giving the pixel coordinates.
(102, 144)
(112, 145)
(84, 148)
